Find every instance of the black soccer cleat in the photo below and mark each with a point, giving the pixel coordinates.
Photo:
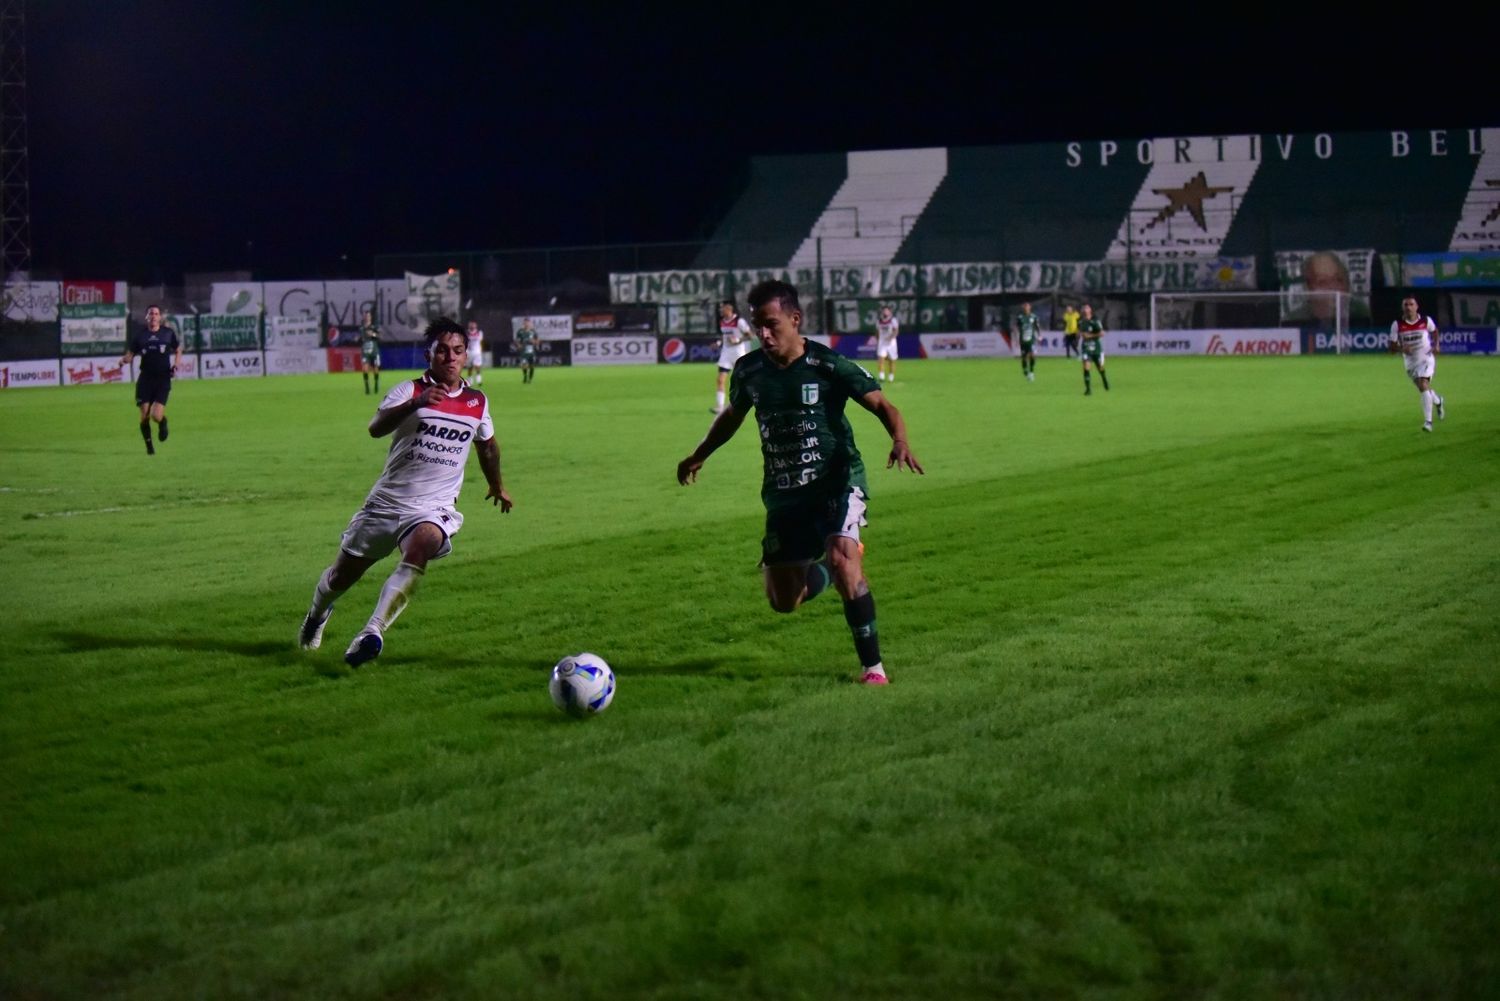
(161, 430)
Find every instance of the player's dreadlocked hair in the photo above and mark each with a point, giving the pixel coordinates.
(774, 289)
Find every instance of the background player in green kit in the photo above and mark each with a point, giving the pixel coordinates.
(526, 339)
(1091, 350)
(1028, 329)
(814, 484)
(369, 351)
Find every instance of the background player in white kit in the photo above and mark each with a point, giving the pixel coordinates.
(475, 370)
(436, 419)
(736, 340)
(1416, 337)
(886, 329)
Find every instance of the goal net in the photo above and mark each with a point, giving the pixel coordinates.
(1323, 315)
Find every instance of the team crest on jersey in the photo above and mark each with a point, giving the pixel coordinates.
(809, 393)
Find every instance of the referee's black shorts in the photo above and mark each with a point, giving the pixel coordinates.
(152, 389)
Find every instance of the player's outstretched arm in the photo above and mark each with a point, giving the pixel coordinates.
(489, 461)
(901, 455)
(720, 431)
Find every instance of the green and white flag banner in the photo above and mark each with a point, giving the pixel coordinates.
(93, 329)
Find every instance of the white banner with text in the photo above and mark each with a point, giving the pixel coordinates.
(614, 350)
(941, 280)
(548, 328)
(232, 365)
(26, 374)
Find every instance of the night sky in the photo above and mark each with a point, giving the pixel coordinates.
(301, 140)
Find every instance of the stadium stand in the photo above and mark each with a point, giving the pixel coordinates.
(781, 204)
(868, 218)
(1362, 196)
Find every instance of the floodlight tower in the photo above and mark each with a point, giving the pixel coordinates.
(15, 185)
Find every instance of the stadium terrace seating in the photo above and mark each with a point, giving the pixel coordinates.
(1021, 203)
(869, 216)
(1360, 197)
(768, 222)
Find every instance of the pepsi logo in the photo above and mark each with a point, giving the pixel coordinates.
(674, 350)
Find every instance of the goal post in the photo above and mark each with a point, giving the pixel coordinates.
(1324, 314)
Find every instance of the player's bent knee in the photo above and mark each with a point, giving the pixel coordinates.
(783, 603)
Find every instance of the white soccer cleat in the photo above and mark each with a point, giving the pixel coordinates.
(365, 648)
(1427, 425)
(1442, 414)
(310, 636)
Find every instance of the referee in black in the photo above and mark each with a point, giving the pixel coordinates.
(153, 345)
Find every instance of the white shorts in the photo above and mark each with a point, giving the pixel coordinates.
(1420, 366)
(729, 354)
(373, 534)
(886, 349)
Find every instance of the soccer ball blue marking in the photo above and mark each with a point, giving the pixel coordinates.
(582, 685)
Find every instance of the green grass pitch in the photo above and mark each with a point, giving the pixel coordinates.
(1194, 693)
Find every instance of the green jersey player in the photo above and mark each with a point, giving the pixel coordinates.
(1091, 349)
(369, 351)
(1028, 329)
(526, 339)
(814, 486)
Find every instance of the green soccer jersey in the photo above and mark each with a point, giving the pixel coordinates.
(369, 344)
(1092, 332)
(1028, 327)
(805, 439)
(526, 341)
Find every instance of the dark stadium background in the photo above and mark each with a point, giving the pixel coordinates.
(291, 139)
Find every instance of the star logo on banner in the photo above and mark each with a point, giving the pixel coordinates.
(1190, 196)
(1494, 212)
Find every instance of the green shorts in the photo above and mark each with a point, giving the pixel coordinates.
(1093, 351)
(798, 533)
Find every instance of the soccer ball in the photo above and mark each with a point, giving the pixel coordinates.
(582, 685)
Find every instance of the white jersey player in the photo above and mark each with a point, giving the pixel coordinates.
(475, 370)
(736, 340)
(887, 327)
(434, 422)
(1416, 337)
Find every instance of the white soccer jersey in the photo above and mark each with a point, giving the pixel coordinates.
(1416, 341)
(1415, 338)
(736, 340)
(887, 330)
(425, 466)
(476, 346)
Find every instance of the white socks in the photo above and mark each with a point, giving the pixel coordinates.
(394, 594)
(719, 400)
(323, 596)
(1427, 401)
